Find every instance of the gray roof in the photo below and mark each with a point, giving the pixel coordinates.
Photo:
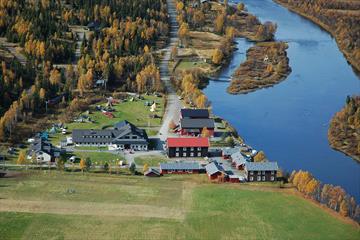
(238, 158)
(116, 135)
(180, 166)
(261, 166)
(152, 170)
(196, 123)
(41, 145)
(230, 151)
(213, 168)
(194, 113)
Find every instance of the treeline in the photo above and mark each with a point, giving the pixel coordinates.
(334, 197)
(340, 18)
(344, 130)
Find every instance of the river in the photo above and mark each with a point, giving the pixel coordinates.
(290, 120)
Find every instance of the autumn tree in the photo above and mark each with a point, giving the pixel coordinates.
(82, 165)
(217, 56)
(260, 157)
(145, 167)
(183, 33)
(205, 133)
(219, 23)
(21, 158)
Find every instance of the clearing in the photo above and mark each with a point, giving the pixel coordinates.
(98, 206)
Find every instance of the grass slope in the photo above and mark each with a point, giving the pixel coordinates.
(211, 211)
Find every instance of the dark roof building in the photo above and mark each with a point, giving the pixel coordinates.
(261, 171)
(194, 113)
(43, 150)
(180, 168)
(195, 126)
(188, 147)
(124, 135)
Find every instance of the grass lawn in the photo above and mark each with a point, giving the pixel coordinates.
(135, 112)
(172, 207)
(151, 160)
(99, 157)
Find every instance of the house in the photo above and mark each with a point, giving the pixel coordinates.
(214, 170)
(181, 168)
(261, 171)
(187, 147)
(194, 113)
(227, 152)
(124, 135)
(151, 172)
(238, 161)
(195, 126)
(43, 151)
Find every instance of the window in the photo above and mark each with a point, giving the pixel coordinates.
(272, 172)
(184, 154)
(184, 148)
(259, 178)
(263, 178)
(251, 179)
(191, 154)
(199, 148)
(251, 173)
(199, 154)
(177, 154)
(192, 149)
(263, 173)
(177, 149)
(272, 178)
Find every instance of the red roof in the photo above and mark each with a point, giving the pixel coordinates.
(188, 142)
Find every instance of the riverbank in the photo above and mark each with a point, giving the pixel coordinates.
(344, 129)
(341, 37)
(266, 65)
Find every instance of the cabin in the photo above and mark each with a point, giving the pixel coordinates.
(214, 170)
(261, 171)
(195, 126)
(124, 135)
(151, 172)
(181, 168)
(227, 152)
(187, 147)
(238, 161)
(194, 113)
(43, 151)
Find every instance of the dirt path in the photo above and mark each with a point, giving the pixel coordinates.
(91, 209)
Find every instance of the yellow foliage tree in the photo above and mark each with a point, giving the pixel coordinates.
(146, 167)
(259, 157)
(205, 133)
(82, 165)
(344, 209)
(21, 158)
(217, 56)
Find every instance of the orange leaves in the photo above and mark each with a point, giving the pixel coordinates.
(148, 79)
(217, 56)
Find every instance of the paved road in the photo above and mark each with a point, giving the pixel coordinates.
(173, 103)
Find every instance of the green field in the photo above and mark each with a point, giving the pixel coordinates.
(151, 160)
(135, 112)
(99, 206)
(99, 158)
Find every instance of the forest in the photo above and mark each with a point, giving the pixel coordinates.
(340, 18)
(344, 130)
(117, 48)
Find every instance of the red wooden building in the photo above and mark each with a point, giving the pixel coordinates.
(187, 147)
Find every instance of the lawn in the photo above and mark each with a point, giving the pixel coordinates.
(99, 158)
(171, 207)
(151, 160)
(135, 112)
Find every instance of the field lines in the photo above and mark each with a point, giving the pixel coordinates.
(90, 208)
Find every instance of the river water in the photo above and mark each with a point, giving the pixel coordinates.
(290, 120)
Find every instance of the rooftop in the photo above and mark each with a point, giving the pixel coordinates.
(213, 168)
(194, 113)
(180, 166)
(197, 123)
(261, 166)
(188, 142)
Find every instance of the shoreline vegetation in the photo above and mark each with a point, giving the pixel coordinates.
(266, 65)
(344, 129)
(340, 18)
